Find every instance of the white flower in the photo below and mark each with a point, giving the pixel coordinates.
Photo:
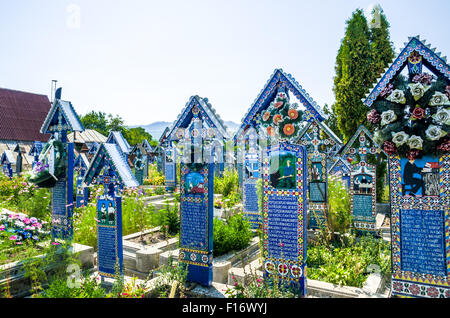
(397, 96)
(439, 99)
(417, 90)
(388, 117)
(435, 132)
(442, 116)
(399, 138)
(415, 142)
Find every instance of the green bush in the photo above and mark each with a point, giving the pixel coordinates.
(350, 264)
(89, 288)
(339, 212)
(85, 225)
(233, 234)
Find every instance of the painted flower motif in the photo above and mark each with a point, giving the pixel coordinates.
(418, 113)
(271, 131)
(415, 142)
(277, 119)
(442, 116)
(398, 287)
(397, 96)
(373, 117)
(418, 90)
(432, 292)
(388, 117)
(414, 289)
(444, 146)
(278, 105)
(399, 138)
(288, 129)
(266, 116)
(435, 133)
(439, 99)
(387, 90)
(413, 154)
(423, 78)
(293, 114)
(389, 147)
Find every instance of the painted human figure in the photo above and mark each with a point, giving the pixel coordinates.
(288, 173)
(103, 212)
(111, 212)
(409, 178)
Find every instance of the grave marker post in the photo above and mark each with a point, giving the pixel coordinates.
(284, 216)
(363, 179)
(410, 115)
(109, 168)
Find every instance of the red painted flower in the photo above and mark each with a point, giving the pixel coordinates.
(373, 117)
(277, 119)
(389, 147)
(398, 287)
(444, 146)
(288, 129)
(432, 292)
(414, 289)
(266, 116)
(271, 131)
(418, 113)
(293, 114)
(387, 90)
(278, 105)
(413, 154)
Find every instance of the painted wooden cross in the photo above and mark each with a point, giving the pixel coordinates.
(318, 138)
(363, 179)
(60, 119)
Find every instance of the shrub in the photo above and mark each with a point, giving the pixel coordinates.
(89, 288)
(233, 234)
(339, 212)
(349, 264)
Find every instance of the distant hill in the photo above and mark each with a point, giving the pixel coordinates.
(157, 128)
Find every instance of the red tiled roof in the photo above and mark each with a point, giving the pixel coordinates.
(22, 115)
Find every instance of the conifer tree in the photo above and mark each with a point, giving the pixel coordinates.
(353, 75)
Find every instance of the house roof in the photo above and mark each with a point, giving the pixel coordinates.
(22, 114)
(268, 93)
(431, 59)
(87, 136)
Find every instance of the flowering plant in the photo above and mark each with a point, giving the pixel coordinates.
(411, 116)
(19, 227)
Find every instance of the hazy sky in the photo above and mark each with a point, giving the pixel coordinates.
(144, 59)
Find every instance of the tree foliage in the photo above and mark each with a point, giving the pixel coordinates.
(364, 53)
(105, 123)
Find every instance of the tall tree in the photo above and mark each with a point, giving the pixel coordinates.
(353, 75)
